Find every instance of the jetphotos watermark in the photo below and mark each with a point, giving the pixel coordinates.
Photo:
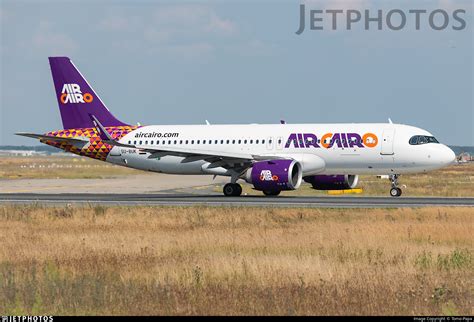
(377, 19)
(20, 318)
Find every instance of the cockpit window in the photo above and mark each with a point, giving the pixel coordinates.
(414, 140)
(422, 139)
(431, 139)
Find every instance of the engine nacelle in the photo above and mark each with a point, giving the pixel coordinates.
(275, 175)
(333, 182)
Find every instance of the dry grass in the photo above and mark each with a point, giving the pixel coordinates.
(49, 167)
(172, 260)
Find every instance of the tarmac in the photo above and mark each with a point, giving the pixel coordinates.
(167, 199)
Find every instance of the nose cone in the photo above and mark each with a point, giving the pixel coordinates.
(446, 155)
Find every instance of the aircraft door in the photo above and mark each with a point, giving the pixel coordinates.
(387, 142)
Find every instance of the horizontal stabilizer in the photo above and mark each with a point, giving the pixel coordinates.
(78, 141)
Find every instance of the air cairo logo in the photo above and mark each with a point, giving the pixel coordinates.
(266, 175)
(329, 140)
(71, 93)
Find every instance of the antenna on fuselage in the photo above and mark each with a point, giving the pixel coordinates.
(390, 121)
(207, 122)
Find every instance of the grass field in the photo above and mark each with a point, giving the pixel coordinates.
(64, 167)
(199, 260)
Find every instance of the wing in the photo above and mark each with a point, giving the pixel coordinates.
(217, 158)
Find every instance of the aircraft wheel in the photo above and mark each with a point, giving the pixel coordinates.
(395, 192)
(239, 189)
(271, 192)
(232, 190)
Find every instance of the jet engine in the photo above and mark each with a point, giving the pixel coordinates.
(333, 182)
(275, 175)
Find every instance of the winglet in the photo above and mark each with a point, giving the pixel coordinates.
(103, 134)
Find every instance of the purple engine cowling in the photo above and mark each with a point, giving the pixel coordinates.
(275, 175)
(333, 182)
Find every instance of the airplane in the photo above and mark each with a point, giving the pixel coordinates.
(271, 157)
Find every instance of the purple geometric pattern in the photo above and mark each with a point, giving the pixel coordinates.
(97, 149)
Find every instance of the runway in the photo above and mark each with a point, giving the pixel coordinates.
(243, 201)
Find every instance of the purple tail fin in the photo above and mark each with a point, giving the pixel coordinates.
(76, 98)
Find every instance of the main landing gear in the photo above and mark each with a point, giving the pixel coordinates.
(271, 192)
(395, 191)
(232, 190)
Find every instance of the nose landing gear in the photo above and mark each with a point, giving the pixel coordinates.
(395, 191)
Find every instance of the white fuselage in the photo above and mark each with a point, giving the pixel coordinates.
(388, 153)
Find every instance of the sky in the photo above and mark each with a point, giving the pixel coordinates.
(172, 62)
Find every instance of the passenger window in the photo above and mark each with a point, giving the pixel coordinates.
(256, 141)
(233, 141)
(187, 141)
(192, 141)
(251, 141)
(134, 142)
